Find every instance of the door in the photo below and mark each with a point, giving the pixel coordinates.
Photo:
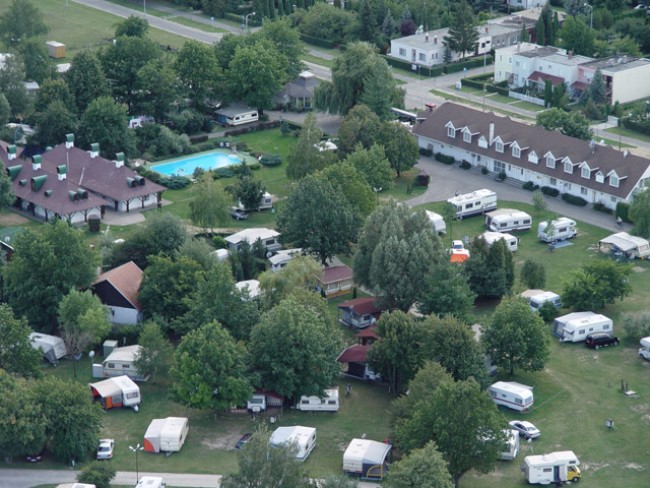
(556, 474)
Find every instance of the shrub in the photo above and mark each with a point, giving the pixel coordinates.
(422, 179)
(530, 186)
(622, 210)
(465, 164)
(443, 158)
(601, 207)
(175, 182)
(501, 176)
(636, 325)
(574, 200)
(97, 473)
(198, 138)
(270, 160)
(550, 191)
(533, 274)
(426, 152)
(484, 170)
(255, 166)
(548, 312)
(224, 172)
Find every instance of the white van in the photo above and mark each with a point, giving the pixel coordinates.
(508, 219)
(557, 230)
(536, 301)
(477, 202)
(314, 403)
(575, 327)
(512, 242)
(512, 395)
(644, 350)
(555, 467)
(438, 223)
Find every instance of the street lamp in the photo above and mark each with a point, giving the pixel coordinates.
(591, 15)
(135, 449)
(246, 20)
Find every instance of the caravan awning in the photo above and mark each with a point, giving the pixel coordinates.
(106, 388)
(622, 240)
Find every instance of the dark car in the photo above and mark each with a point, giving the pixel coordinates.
(601, 339)
(243, 440)
(238, 214)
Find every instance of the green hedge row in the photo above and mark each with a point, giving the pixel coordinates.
(637, 126)
(470, 63)
(574, 200)
(317, 41)
(443, 158)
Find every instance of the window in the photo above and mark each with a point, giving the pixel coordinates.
(269, 242)
(478, 157)
(468, 206)
(613, 181)
(126, 366)
(547, 470)
(583, 190)
(550, 161)
(467, 137)
(402, 51)
(111, 365)
(553, 182)
(585, 172)
(581, 331)
(499, 147)
(568, 167)
(606, 326)
(599, 177)
(517, 64)
(518, 400)
(331, 402)
(451, 132)
(516, 152)
(304, 402)
(510, 61)
(133, 394)
(499, 167)
(422, 57)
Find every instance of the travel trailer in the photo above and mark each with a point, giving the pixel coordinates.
(367, 459)
(256, 404)
(626, 246)
(166, 435)
(512, 395)
(507, 220)
(575, 327)
(438, 223)
(644, 350)
(557, 230)
(511, 446)
(555, 467)
(52, 347)
(236, 115)
(536, 301)
(303, 438)
(314, 403)
(512, 242)
(119, 391)
(150, 482)
(477, 202)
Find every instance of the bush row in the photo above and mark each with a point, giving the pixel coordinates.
(550, 191)
(443, 158)
(574, 200)
(317, 41)
(601, 207)
(425, 152)
(530, 186)
(261, 126)
(270, 160)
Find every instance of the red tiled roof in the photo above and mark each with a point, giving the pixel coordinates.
(126, 279)
(333, 274)
(361, 306)
(541, 76)
(369, 333)
(354, 354)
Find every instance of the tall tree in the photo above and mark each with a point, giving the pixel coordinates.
(400, 146)
(209, 207)
(86, 79)
(34, 55)
(639, 213)
(133, 26)
(156, 353)
(446, 291)
(52, 90)
(198, 72)
(301, 273)
(368, 26)
(373, 165)
(597, 88)
(12, 76)
(106, 122)
(44, 267)
(210, 370)
(491, 269)
(572, 124)
(463, 34)
(516, 337)
(596, 285)
(424, 468)
(53, 123)
(17, 356)
(294, 347)
(576, 36)
(20, 21)
(305, 158)
(286, 41)
(533, 274)
(248, 191)
(158, 87)
(350, 182)
(374, 92)
(360, 126)
(7, 196)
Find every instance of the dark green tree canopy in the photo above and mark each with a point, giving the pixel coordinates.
(639, 213)
(596, 285)
(17, 356)
(198, 72)
(373, 165)
(360, 126)
(424, 468)
(133, 26)
(572, 124)
(86, 79)
(21, 21)
(463, 33)
(106, 122)
(446, 291)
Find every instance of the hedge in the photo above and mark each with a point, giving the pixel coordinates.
(471, 63)
(425, 152)
(270, 160)
(622, 210)
(473, 83)
(530, 186)
(601, 207)
(317, 41)
(550, 191)
(641, 127)
(465, 164)
(252, 20)
(443, 158)
(574, 200)
(431, 71)
(261, 126)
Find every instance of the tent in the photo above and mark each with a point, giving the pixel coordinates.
(166, 435)
(630, 246)
(367, 459)
(53, 347)
(119, 391)
(459, 255)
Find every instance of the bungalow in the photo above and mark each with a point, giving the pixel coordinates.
(594, 172)
(280, 259)
(299, 93)
(121, 362)
(359, 313)
(118, 289)
(356, 356)
(269, 237)
(335, 280)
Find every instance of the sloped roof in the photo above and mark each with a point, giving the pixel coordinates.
(361, 306)
(126, 279)
(354, 354)
(541, 76)
(126, 354)
(369, 333)
(251, 235)
(332, 274)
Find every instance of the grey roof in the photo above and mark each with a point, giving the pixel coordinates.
(540, 52)
(628, 167)
(567, 59)
(618, 63)
(235, 109)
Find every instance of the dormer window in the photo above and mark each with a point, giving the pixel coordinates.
(613, 181)
(467, 136)
(532, 158)
(516, 152)
(568, 167)
(600, 178)
(585, 172)
(550, 161)
(451, 132)
(499, 146)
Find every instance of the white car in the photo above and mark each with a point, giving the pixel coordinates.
(525, 429)
(105, 449)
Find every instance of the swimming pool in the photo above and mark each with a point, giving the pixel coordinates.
(185, 166)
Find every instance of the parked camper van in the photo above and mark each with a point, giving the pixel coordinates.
(314, 403)
(266, 202)
(477, 202)
(512, 395)
(150, 482)
(303, 438)
(558, 230)
(575, 327)
(438, 223)
(536, 301)
(644, 350)
(508, 220)
(555, 467)
(257, 403)
(236, 115)
(512, 242)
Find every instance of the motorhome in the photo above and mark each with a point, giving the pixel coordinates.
(236, 115)
(438, 223)
(555, 467)
(512, 395)
(644, 350)
(302, 438)
(512, 242)
(575, 327)
(557, 230)
(508, 220)
(314, 403)
(536, 301)
(477, 202)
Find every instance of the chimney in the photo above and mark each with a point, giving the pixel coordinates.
(94, 150)
(36, 162)
(61, 170)
(435, 39)
(119, 160)
(570, 54)
(491, 135)
(426, 37)
(11, 152)
(69, 141)
(486, 29)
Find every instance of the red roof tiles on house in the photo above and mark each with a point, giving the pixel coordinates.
(334, 274)
(126, 279)
(354, 354)
(361, 306)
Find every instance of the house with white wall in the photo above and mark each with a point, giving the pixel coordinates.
(594, 172)
(118, 289)
(625, 77)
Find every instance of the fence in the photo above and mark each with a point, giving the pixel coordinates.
(526, 98)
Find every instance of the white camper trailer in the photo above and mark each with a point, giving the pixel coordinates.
(575, 327)
(512, 242)
(150, 482)
(367, 459)
(557, 230)
(644, 350)
(166, 435)
(119, 391)
(314, 403)
(53, 347)
(511, 446)
(536, 301)
(507, 220)
(624, 245)
(236, 115)
(477, 202)
(438, 223)
(512, 395)
(303, 438)
(555, 467)
(266, 202)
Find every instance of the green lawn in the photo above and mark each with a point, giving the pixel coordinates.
(317, 60)
(528, 106)
(197, 25)
(497, 97)
(628, 133)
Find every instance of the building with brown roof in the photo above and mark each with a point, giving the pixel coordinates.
(359, 313)
(118, 289)
(335, 280)
(597, 173)
(356, 356)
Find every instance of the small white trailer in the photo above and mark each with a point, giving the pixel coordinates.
(513, 395)
(302, 438)
(536, 301)
(556, 230)
(314, 403)
(644, 350)
(511, 448)
(52, 347)
(575, 327)
(438, 222)
(477, 202)
(166, 435)
(507, 220)
(266, 202)
(236, 115)
(555, 467)
(512, 242)
(367, 459)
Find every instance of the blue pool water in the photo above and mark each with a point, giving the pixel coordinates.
(207, 160)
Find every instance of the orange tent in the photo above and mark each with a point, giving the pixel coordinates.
(459, 256)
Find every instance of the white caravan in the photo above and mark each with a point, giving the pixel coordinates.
(624, 245)
(508, 219)
(266, 202)
(302, 438)
(512, 395)
(555, 467)
(367, 459)
(536, 301)
(575, 327)
(512, 242)
(438, 223)
(257, 403)
(557, 230)
(511, 446)
(314, 403)
(150, 482)
(52, 347)
(477, 202)
(236, 115)
(644, 350)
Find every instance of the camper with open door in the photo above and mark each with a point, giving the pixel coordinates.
(512, 242)
(555, 467)
(513, 395)
(477, 202)
(508, 220)
(559, 229)
(575, 327)
(314, 403)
